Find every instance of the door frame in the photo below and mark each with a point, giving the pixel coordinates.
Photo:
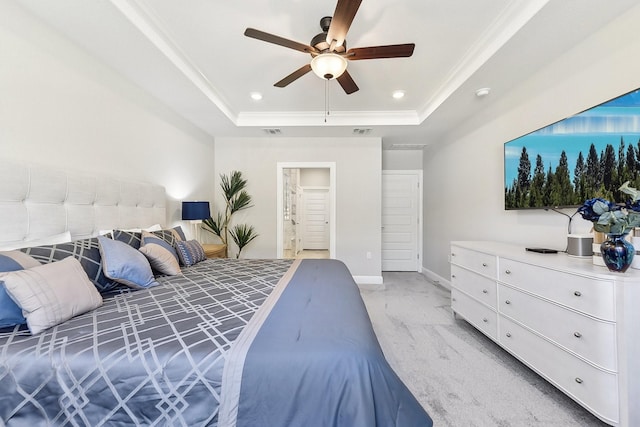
(280, 166)
(419, 174)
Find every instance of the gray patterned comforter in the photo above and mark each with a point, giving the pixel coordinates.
(230, 343)
(150, 357)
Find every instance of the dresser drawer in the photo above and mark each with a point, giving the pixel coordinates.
(591, 296)
(595, 389)
(476, 261)
(480, 316)
(479, 287)
(593, 339)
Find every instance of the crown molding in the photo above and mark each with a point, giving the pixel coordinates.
(509, 22)
(512, 19)
(150, 27)
(334, 118)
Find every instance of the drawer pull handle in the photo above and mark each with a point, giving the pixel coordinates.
(578, 293)
(484, 264)
(577, 334)
(453, 254)
(485, 320)
(508, 334)
(508, 271)
(453, 276)
(484, 291)
(453, 299)
(507, 302)
(579, 380)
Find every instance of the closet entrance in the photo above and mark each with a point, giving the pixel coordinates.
(306, 210)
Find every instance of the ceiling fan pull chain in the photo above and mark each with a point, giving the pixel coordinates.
(326, 99)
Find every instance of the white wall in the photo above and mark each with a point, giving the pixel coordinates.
(358, 182)
(59, 106)
(402, 159)
(472, 206)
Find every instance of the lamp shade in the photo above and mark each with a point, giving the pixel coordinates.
(328, 65)
(195, 210)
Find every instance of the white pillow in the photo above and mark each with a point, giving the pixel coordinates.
(51, 293)
(44, 241)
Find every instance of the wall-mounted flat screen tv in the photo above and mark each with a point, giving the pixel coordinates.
(590, 154)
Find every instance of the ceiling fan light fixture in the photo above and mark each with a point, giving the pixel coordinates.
(328, 66)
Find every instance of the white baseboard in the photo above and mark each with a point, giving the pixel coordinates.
(369, 283)
(435, 278)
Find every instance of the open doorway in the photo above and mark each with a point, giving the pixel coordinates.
(306, 210)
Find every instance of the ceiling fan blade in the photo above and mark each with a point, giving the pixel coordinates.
(375, 52)
(347, 83)
(281, 41)
(294, 76)
(341, 21)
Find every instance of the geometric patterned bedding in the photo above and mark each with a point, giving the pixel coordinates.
(147, 357)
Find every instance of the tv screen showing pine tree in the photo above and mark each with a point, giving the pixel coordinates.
(590, 154)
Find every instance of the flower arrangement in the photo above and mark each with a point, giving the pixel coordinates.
(612, 218)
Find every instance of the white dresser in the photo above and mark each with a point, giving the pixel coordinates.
(576, 324)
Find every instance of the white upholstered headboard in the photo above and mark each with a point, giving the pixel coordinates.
(40, 201)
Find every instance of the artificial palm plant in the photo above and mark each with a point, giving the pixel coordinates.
(236, 199)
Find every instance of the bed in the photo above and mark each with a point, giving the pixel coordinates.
(223, 343)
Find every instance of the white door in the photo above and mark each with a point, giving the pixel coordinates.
(400, 220)
(315, 221)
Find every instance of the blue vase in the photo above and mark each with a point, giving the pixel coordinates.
(617, 252)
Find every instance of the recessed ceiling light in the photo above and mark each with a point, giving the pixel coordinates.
(482, 92)
(256, 96)
(398, 94)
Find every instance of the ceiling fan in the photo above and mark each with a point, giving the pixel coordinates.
(329, 49)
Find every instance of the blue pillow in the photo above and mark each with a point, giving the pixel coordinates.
(124, 264)
(10, 312)
(190, 252)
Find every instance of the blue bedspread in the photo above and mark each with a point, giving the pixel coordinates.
(315, 361)
(247, 343)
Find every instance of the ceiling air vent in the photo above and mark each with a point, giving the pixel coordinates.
(360, 132)
(274, 131)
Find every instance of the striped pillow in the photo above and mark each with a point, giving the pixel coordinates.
(161, 255)
(178, 230)
(190, 252)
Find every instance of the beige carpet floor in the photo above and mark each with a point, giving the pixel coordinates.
(462, 378)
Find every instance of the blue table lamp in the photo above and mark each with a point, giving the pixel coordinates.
(195, 212)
